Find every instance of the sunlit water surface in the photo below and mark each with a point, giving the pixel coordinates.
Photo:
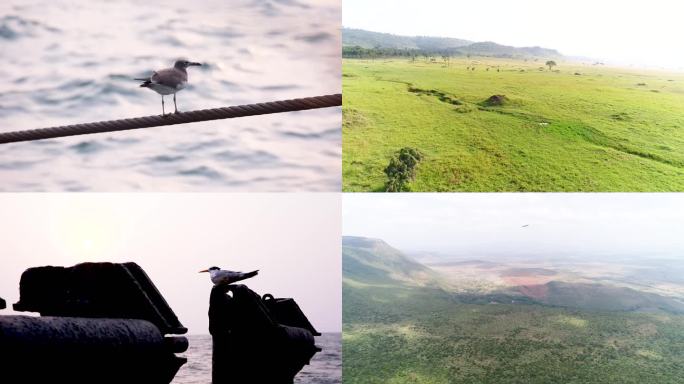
(73, 62)
(325, 367)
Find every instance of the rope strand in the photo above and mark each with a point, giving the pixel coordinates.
(172, 119)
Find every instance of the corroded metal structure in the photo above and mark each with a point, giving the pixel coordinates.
(100, 323)
(257, 340)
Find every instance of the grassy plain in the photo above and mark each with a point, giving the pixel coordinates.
(580, 128)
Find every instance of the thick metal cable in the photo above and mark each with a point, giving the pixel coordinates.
(174, 118)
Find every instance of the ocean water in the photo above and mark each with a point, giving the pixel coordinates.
(73, 62)
(325, 367)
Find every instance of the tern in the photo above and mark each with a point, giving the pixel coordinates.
(221, 277)
(169, 81)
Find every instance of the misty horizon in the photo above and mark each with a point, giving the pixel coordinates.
(522, 226)
(643, 36)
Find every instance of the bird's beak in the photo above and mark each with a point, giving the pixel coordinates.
(206, 270)
(198, 64)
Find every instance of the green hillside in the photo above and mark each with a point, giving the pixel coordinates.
(372, 261)
(487, 124)
(368, 39)
(388, 44)
(398, 332)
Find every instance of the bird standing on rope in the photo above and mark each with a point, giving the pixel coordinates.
(169, 81)
(221, 277)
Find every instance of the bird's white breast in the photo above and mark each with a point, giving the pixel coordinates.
(162, 89)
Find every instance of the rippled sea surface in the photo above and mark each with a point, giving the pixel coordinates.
(73, 62)
(325, 367)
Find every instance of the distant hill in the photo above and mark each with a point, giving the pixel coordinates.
(598, 297)
(372, 261)
(439, 45)
(368, 39)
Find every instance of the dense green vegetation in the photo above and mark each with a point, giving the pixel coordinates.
(399, 329)
(573, 128)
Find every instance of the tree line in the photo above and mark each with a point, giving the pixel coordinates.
(357, 52)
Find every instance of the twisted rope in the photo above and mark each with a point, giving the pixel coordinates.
(172, 119)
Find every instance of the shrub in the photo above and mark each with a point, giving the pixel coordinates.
(401, 169)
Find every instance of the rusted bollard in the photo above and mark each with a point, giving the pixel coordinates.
(100, 323)
(250, 345)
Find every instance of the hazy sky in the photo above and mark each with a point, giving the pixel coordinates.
(294, 239)
(477, 225)
(628, 31)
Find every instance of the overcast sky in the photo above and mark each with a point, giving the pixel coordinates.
(294, 239)
(480, 225)
(628, 31)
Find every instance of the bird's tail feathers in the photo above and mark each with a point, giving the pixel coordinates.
(251, 274)
(146, 82)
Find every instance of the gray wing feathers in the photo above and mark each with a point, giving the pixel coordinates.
(169, 77)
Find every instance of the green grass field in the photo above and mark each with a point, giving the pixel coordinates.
(582, 128)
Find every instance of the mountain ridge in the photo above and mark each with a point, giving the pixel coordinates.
(365, 39)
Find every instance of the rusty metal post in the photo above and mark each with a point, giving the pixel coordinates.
(250, 345)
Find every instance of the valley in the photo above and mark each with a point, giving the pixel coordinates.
(509, 321)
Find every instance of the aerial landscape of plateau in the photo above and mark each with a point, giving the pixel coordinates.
(538, 313)
(482, 116)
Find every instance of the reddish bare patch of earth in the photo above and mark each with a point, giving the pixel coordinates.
(526, 280)
(531, 286)
(538, 291)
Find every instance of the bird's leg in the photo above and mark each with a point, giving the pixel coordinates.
(174, 102)
(163, 113)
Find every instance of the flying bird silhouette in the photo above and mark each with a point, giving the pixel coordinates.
(221, 277)
(526, 225)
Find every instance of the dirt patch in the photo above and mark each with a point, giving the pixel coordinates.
(622, 116)
(538, 292)
(528, 272)
(442, 96)
(495, 101)
(526, 280)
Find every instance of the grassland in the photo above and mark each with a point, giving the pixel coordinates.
(580, 128)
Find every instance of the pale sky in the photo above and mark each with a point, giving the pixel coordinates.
(293, 239)
(626, 32)
(481, 225)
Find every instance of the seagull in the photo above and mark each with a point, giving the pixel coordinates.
(169, 80)
(526, 225)
(220, 277)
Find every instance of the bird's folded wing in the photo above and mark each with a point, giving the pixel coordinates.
(169, 77)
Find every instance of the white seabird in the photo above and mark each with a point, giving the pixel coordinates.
(220, 277)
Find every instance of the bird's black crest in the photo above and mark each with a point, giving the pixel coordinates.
(214, 268)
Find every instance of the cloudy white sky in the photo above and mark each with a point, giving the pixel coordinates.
(631, 32)
(294, 239)
(481, 225)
